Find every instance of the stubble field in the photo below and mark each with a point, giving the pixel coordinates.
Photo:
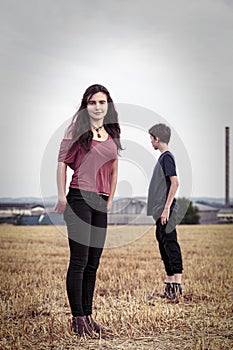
(35, 313)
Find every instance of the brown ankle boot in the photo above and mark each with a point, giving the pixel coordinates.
(102, 331)
(92, 324)
(80, 326)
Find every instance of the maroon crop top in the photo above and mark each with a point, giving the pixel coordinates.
(93, 169)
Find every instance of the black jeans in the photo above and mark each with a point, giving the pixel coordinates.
(169, 249)
(86, 220)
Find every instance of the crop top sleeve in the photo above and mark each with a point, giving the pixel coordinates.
(68, 152)
(65, 145)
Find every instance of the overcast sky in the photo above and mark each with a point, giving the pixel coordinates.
(174, 58)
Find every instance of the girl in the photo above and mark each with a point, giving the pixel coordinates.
(90, 148)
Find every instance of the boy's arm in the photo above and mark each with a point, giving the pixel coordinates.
(172, 192)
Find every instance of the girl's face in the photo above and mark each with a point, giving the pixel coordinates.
(97, 106)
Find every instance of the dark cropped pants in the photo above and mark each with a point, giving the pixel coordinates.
(86, 220)
(169, 249)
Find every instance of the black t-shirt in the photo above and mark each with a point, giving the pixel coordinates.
(160, 183)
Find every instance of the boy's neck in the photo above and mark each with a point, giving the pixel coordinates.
(163, 147)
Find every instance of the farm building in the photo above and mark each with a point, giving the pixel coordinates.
(129, 211)
(207, 213)
(225, 215)
(20, 213)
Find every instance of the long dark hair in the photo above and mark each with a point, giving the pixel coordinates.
(81, 126)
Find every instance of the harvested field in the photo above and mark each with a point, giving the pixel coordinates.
(35, 313)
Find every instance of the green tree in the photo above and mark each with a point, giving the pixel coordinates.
(191, 212)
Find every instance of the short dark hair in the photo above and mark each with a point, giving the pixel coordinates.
(162, 131)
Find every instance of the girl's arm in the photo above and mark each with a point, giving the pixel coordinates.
(61, 177)
(113, 184)
(61, 188)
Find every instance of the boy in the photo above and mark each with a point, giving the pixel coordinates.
(162, 206)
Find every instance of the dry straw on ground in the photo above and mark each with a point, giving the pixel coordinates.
(35, 313)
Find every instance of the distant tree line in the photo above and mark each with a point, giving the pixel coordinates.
(191, 212)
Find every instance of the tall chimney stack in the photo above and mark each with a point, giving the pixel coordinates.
(227, 202)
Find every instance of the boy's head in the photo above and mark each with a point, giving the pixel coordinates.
(161, 131)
